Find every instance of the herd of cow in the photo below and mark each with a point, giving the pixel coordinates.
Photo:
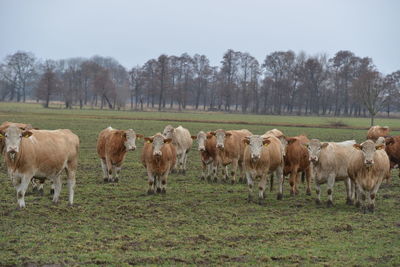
(32, 155)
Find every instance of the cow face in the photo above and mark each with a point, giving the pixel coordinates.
(130, 139)
(201, 140)
(221, 135)
(158, 142)
(368, 149)
(314, 149)
(256, 144)
(168, 131)
(13, 136)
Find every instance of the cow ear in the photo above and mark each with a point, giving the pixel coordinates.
(379, 147)
(26, 134)
(148, 140)
(389, 140)
(139, 136)
(167, 141)
(210, 134)
(266, 142)
(124, 135)
(357, 146)
(227, 134)
(1, 134)
(246, 141)
(193, 137)
(307, 145)
(324, 145)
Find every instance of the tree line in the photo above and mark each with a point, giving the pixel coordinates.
(283, 83)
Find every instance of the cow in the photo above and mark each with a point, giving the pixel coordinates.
(40, 153)
(297, 160)
(230, 149)
(329, 163)
(182, 141)
(158, 157)
(112, 146)
(392, 148)
(368, 166)
(376, 131)
(262, 155)
(208, 155)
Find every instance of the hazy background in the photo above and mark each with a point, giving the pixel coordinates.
(135, 31)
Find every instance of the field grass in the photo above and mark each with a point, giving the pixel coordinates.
(195, 223)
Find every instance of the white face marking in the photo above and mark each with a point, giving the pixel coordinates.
(130, 143)
(168, 131)
(13, 136)
(220, 135)
(314, 150)
(158, 142)
(201, 138)
(368, 149)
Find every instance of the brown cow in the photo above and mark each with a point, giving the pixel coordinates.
(262, 155)
(158, 157)
(40, 153)
(393, 150)
(112, 145)
(368, 166)
(231, 149)
(208, 155)
(376, 131)
(297, 160)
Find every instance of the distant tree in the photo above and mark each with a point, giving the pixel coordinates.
(202, 72)
(136, 81)
(49, 84)
(229, 69)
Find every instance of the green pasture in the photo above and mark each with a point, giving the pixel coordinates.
(195, 223)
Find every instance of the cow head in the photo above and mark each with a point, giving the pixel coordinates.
(12, 137)
(256, 144)
(130, 139)
(168, 131)
(368, 149)
(201, 139)
(158, 142)
(221, 135)
(314, 149)
(389, 140)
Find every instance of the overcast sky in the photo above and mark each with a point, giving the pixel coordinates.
(134, 31)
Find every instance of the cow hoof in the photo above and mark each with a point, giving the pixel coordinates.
(292, 193)
(371, 208)
(150, 192)
(279, 196)
(105, 180)
(215, 180)
(34, 189)
(308, 193)
(233, 182)
(51, 191)
(357, 204)
(158, 189)
(249, 198)
(116, 180)
(70, 205)
(173, 171)
(364, 210)
(163, 191)
(203, 178)
(41, 192)
(317, 201)
(349, 202)
(261, 201)
(329, 203)
(184, 172)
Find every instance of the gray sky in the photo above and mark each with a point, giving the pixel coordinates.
(134, 31)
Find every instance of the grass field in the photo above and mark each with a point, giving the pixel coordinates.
(195, 223)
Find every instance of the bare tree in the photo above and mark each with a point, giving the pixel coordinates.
(49, 84)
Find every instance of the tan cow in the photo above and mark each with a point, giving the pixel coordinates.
(158, 157)
(112, 145)
(329, 163)
(208, 155)
(376, 131)
(262, 155)
(40, 153)
(392, 148)
(182, 141)
(368, 166)
(296, 161)
(230, 149)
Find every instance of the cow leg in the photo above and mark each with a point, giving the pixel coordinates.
(250, 185)
(104, 168)
(163, 183)
(330, 184)
(371, 207)
(71, 185)
(261, 188)
(35, 185)
(158, 183)
(185, 156)
(109, 169)
(293, 180)
(362, 196)
(116, 171)
(57, 188)
(203, 170)
(318, 192)
(271, 182)
(349, 199)
(279, 174)
(209, 170)
(234, 171)
(308, 179)
(151, 181)
(21, 188)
